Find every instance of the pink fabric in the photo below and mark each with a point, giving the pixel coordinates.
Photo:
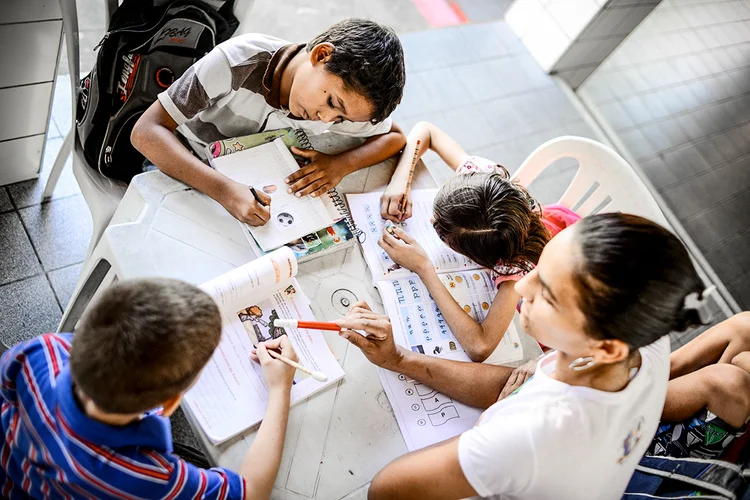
(555, 218)
(476, 164)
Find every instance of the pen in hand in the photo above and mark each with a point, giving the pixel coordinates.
(257, 198)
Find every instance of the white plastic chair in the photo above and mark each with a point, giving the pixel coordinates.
(604, 182)
(102, 194)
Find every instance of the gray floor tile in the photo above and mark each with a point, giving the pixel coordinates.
(27, 308)
(487, 41)
(60, 231)
(436, 48)
(711, 227)
(29, 193)
(64, 282)
(5, 203)
(741, 291)
(483, 10)
(731, 258)
(469, 127)
(508, 75)
(445, 89)
(479, 81)
(18, 259)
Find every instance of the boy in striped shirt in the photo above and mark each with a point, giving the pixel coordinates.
(86, 416)
(347, 80)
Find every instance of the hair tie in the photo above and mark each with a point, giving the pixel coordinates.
(699, 302)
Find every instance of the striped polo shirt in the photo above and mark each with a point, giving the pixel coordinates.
(234, 90)
(51, 449)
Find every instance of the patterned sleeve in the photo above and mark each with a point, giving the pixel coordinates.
(476, 164)
(188, 481)
(502, 273)
(205, 82)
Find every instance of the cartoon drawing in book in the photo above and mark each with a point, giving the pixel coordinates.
(252, 317)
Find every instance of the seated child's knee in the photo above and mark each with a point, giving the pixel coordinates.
(742, 360)
(728, 382)
(741, 323)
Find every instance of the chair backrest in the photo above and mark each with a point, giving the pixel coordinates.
(604, 182)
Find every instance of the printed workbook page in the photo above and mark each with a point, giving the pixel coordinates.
(230, 395)
(365, 210)
(265, 168)
(425, 416)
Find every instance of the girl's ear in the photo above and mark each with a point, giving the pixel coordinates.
(611, 351)
(321, 53)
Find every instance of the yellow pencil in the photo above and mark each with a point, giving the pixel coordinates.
(402, 203)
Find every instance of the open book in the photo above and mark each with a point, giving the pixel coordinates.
(425, 416)
(265, 168)
(230, 395)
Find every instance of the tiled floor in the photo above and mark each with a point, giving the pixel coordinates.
(677, 93)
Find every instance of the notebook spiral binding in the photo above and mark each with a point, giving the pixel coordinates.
(336, 198)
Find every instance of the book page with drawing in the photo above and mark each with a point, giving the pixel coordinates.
(230, 395)
(365, 210)
(265, 168)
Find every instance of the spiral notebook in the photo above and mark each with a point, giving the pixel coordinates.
(265, 167)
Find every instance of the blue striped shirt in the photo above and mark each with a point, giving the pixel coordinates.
(51, 449)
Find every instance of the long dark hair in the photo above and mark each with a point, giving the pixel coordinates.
(489, 218)
(633, 278)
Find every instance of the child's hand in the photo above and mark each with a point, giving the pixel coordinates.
(277, 374)
(317, 177)
(404, 250)
(391, 200)
(240, 202)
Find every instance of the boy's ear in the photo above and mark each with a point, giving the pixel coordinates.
(321, 53)
(170, 405)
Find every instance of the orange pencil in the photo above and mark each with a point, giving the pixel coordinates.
(310, 325)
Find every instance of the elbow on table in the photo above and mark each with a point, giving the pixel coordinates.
(479, 353)
(139, 134)
(381, 488)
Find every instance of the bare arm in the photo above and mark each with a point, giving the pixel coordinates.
(429, 137)
(153, 135)
(479, 340)
(433, 472)
(325, 171)
(261, 463)
(474, 384)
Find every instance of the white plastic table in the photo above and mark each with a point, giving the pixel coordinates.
(338, 439)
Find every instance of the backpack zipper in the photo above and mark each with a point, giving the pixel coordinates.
(134, 29)
(213, 35)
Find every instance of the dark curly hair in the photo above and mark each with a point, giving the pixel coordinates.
(369, 59)
(488, 218)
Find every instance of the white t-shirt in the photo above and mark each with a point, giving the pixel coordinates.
(552, 440)
(234, 90)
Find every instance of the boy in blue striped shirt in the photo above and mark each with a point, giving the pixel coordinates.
(86, 416)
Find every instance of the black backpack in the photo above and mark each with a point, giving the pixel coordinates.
(149, 44)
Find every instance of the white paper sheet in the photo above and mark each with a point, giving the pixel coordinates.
(265, 168)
